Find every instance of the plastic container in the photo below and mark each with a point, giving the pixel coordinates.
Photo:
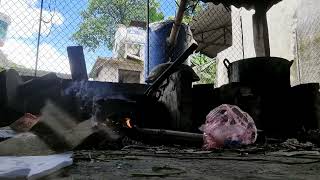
(158, 34)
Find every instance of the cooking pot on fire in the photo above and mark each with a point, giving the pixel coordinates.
(263, 73)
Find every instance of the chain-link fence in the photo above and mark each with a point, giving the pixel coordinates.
(114, 36)
(119, 48)
(308, 42)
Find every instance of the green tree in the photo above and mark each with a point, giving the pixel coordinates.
(193, 7)
(101, 18)
(205, 67)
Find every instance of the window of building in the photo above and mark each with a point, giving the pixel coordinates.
(127, 76)
(134, 49)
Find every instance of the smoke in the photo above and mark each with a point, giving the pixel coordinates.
(92, 91)
(89, 92)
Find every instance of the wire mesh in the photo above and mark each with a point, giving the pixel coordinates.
(113, 34)
(308, 42)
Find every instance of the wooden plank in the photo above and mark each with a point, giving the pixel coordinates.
(260, 32)
(77, 63)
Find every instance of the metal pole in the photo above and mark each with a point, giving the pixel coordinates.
(298, 58)
(242, 34)
(148, 43)
(39, 35)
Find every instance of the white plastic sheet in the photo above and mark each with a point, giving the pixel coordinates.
(32, 167)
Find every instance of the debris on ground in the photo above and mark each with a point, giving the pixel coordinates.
(24, 144)
(294, 144)
(55, 131)
(296, 153)
(6, 133)
(25, 123)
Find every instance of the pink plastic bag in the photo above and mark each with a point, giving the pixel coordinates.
(228, 125)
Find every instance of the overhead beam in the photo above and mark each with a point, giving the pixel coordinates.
(260, 31)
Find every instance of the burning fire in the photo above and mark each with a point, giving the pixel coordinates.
(128, 120)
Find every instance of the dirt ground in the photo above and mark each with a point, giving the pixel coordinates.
(175, 163)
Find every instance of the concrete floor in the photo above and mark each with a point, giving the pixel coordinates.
(191, 164)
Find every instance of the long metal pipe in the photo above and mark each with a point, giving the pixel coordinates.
(39, 35)
(176, 135)
(148, 42)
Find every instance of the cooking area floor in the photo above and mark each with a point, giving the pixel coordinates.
(137, 162)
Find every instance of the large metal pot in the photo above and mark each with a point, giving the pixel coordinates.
(263, 73)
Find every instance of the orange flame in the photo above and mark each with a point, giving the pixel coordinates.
(128, 122)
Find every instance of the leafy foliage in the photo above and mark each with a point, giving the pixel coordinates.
(205, 67)
(101, 18)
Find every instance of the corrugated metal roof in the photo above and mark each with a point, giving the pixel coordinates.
(248, 4)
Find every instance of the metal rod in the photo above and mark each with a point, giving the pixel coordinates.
(148, 43)
(242, 35)
(298, 58)
(178, 135)
(39, 35)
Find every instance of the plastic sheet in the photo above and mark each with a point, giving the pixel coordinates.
(228, 125)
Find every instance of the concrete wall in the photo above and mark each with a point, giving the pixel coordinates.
(110, 73)
(294, 32)
(282, 24)
(236, 51)
(308, 36)
(107, 74)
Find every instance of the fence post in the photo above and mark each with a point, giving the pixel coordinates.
(39, 36)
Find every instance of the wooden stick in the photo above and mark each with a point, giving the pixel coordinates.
(176, 26)
(77, 63)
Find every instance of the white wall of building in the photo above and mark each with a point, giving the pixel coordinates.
(110, 72)
(308, 30)
(282, 23)
(128, 40)
(236, 51)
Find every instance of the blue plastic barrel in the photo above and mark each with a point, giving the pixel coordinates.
(159, 32)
